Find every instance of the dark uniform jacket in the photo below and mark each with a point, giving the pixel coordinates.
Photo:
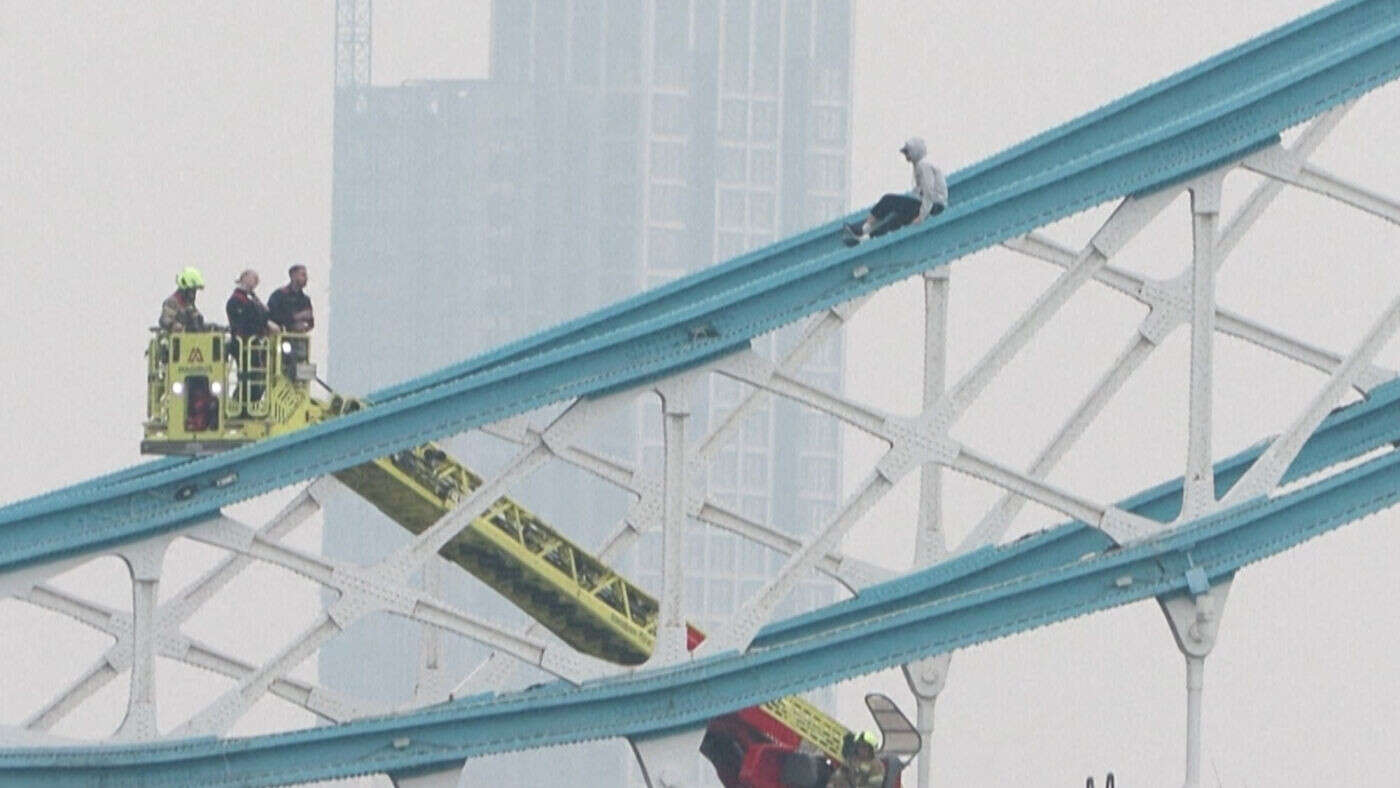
(286, 302)
(247, 317)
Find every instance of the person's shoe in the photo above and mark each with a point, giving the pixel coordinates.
(851, 234)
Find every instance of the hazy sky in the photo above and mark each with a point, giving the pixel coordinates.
(139, 137)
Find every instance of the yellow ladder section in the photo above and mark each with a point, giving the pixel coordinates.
(573, 594)
(809, 722)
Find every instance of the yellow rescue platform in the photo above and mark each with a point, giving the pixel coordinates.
(209, 391)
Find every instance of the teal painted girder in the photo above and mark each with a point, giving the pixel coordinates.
(1062, 573)
(1203, 117)
(1206, 115)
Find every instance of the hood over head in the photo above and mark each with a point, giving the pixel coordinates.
(915, 147)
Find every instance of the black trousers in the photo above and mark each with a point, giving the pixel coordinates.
(893, 211)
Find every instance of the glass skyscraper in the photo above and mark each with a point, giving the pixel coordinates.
(616, 145)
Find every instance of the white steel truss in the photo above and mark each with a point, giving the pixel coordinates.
(669, 497)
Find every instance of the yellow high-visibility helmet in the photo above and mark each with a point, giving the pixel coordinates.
(190, 279)
(869, 737)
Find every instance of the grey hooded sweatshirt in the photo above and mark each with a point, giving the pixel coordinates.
(929, 185)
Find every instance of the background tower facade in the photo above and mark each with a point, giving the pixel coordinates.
(353, 43)
(617, 144)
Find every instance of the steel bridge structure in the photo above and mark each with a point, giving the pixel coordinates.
(1181, 542)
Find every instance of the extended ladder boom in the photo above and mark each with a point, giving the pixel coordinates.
(570, 592)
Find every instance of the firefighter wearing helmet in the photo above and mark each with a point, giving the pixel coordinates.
(861, 768)
(178, 312)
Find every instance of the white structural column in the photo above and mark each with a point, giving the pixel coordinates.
(924, 440)
(926, 677)
(664, 758)
(168, 640)
(915, 442)
(670, 630)
(383, 587)
(433, 683)
(930, 544)
(1199, 491)
(646, 512)
(144, 561)
(170, 643)
(495, 672)
(140, 720)
(1167, 311)
(1194, 618)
